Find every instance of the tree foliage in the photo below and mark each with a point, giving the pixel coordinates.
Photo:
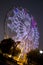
(35, 58)
(8, 47)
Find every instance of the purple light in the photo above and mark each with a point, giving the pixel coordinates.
(33, 22)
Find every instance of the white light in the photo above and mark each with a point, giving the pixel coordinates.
(41, 51)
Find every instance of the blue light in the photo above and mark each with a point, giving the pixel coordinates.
(16, 9)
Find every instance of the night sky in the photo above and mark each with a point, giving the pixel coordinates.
(35, 8)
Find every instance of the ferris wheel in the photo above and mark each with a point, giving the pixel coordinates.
(21, 26)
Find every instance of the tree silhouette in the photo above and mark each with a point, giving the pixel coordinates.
(8, 46)
(35, 58)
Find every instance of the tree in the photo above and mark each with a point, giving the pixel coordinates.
(35, 58)
(8, 47)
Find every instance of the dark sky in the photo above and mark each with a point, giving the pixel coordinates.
(35, 7)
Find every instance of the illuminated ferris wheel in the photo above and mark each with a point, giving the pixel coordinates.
(20, 26)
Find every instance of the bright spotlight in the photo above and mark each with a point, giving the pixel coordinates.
(41, 51)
